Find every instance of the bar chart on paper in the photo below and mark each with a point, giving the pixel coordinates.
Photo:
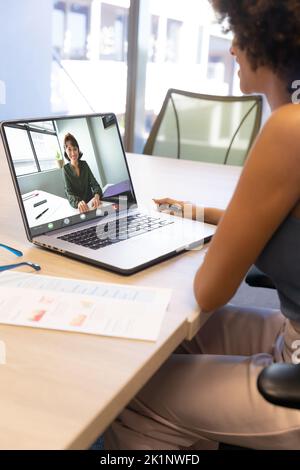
(82, 306)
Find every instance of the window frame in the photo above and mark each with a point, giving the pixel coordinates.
(28, 128)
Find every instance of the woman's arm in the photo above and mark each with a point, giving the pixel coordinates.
(268, 190)
(72, 198)
(212, 215)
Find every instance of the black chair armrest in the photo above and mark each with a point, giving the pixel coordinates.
(280, 384)
(256, 278)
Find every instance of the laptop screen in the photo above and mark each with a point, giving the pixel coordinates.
(68, 170)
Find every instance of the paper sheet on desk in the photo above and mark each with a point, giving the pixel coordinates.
(82, 306)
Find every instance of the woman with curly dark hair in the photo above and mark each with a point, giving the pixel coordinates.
(209, 395)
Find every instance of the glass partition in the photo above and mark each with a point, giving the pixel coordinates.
(188, 51)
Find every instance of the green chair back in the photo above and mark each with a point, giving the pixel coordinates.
(215, 129)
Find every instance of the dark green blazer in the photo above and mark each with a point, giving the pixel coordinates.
(80, 188)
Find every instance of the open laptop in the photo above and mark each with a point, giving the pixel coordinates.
(118, 235)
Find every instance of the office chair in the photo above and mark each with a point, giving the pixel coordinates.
(256, 278)
(280, 385)
(215, 129)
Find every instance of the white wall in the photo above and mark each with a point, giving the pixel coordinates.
(26, 57)
(109, 149)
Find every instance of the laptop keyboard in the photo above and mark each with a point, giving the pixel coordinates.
(115, 232)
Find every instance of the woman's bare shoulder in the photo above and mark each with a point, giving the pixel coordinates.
(283, 130)
(287, 117)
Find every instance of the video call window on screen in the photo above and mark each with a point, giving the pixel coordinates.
(68, 168)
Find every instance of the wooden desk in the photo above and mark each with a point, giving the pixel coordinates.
(60, 390)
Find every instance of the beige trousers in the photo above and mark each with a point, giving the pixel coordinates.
(207, 393)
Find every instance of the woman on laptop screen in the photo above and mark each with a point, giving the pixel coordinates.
(81, 186)
(207, 392)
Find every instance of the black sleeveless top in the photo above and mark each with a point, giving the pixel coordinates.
(280, 260)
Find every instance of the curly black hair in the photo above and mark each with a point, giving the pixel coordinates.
(269, 32)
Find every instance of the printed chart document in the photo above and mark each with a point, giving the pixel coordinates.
(82, 306)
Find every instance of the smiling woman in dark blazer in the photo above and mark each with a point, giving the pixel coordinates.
(80, 184)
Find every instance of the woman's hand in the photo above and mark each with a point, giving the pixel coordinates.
(96, 202)
(170, 206)
(83, 207)
(211, 215)
(175, 207)
(167, 203)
